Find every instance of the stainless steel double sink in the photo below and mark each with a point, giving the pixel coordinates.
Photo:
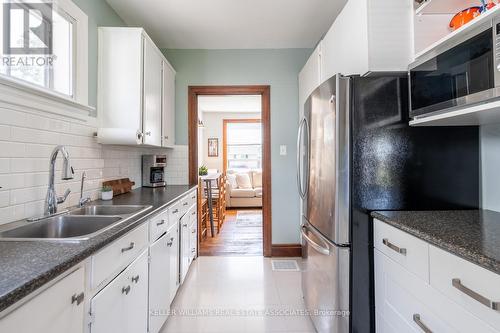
(75, 225)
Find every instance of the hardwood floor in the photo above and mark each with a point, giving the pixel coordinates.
(241, 235)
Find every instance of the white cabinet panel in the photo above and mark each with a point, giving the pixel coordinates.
(168, 106)
(59, 309)
(410, 252)
(174, 278)
(445, 267)
(122, 306)
(118, 254)
(158, 225)
(309, 78)
(368, 36)
(159, 280)
(184, 247)
(152, 94)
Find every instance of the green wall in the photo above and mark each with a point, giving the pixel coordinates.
(99, 14)
(277, 68)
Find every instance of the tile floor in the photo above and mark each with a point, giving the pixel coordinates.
(238, 294)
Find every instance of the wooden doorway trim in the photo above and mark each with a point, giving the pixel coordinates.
(224, 136)
(265, 93)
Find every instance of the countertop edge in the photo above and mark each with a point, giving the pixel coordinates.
(476, 259)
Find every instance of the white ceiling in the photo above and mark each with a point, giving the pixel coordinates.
(231, 24)
(230, 103)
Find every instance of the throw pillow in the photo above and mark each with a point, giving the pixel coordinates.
(257, 179)
(243, 180)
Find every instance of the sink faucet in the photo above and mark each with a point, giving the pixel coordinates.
(67, 173)
(83, 200)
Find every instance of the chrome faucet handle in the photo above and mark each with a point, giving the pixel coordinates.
(63, 198)
(84, 201)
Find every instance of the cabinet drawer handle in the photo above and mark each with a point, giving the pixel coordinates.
(194, 231)
(193, 213)
(474, 295)
(193, 250)
(399, 250)
(130, 247)
(185, 225)
(77, 298)
(171, 242)
(160, 223)
(185, 204)
(418, 321)
(125, 290)
(135, 279)
(175, 211)
(148, 133)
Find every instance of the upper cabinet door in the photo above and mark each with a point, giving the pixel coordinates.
(309, 78)
(152, 98)
(168, 106)
(368, 36)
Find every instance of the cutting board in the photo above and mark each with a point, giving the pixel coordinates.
(120, 186)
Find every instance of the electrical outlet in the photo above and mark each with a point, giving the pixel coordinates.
(283, 150)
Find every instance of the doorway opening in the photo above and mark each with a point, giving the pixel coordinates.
(229, 141)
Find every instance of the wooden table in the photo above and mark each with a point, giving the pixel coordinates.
(208, 179)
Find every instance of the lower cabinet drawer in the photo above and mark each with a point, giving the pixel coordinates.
(118, 254)
(122, 306)
(406, 303)
(58, 309)
(407, 250)
(473, 287)
(158, 225)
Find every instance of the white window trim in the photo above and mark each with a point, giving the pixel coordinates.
(24, 95)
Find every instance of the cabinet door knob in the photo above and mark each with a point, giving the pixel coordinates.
(169, 244)
(128, 248)
(77, 298)
(135, 279)
(148, 133)
(125, 290)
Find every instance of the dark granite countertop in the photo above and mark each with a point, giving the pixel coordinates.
(26, 266)
(471, 234)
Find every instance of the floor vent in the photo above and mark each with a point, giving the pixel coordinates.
(285, 265)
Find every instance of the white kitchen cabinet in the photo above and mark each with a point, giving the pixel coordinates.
(184, 247)
(174, 279)
(58, 309)
(134, 90)
(168, 106)
(406, 298)
(193, 235)
(368, 36)
(153, 82)
(160, 295)
(309, 78)
(122, 306)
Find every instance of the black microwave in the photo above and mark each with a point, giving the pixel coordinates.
(457, 74)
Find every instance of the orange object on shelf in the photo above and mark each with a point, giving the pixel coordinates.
(464, 17)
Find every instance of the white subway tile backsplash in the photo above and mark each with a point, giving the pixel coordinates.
(26, 142)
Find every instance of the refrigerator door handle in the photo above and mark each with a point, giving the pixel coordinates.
(316, 246)
(302, 192)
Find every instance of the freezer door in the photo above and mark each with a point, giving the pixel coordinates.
(325, 282)
(327, 197)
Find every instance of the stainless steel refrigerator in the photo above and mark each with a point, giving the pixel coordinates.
(357, 154)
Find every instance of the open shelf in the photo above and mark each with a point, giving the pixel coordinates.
(460, 31)
(481, 114)
(444, 6)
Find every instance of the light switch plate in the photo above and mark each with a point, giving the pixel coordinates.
(283, 150)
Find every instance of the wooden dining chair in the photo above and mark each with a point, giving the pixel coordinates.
(203, 218)
(219, 202)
